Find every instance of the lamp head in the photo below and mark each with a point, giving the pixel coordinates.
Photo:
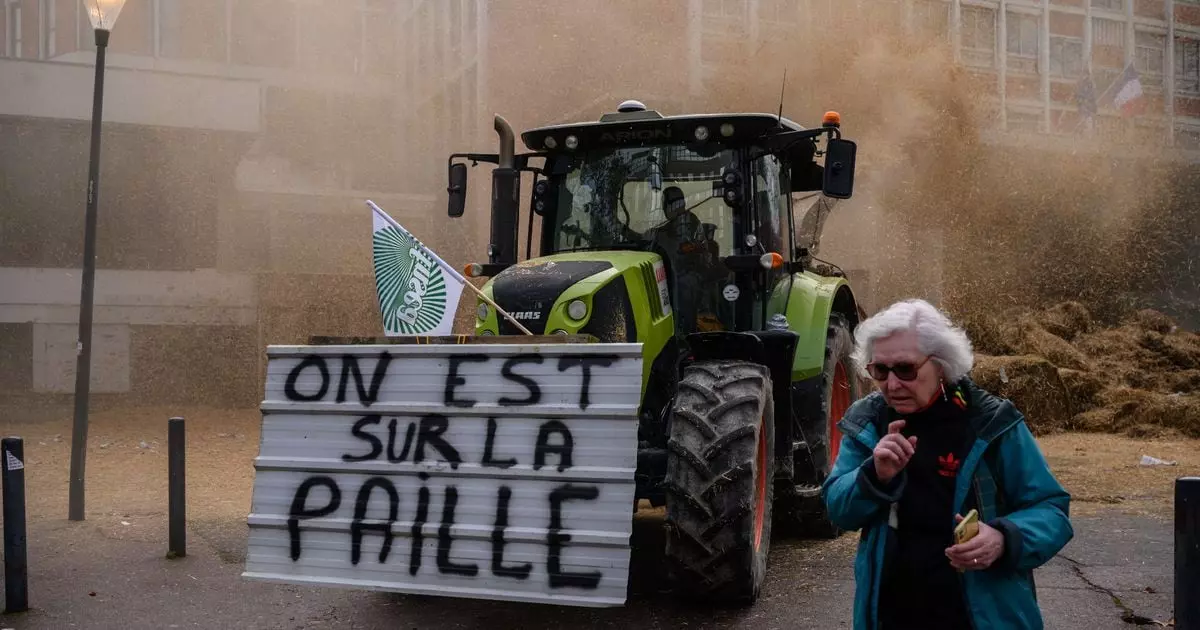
(103, 13)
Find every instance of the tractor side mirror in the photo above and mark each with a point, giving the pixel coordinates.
(457, 190)
(839, 168)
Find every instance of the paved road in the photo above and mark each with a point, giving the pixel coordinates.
(103, 574)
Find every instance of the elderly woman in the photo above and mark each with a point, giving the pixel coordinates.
(918, 455)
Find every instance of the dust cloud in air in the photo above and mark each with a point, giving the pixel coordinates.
(950, 209)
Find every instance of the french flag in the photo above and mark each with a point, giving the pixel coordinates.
(1129, 97)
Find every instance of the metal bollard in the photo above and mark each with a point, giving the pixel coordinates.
(16, 565)
(1187, 553)
(177, 545)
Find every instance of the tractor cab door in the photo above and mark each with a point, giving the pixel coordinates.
(772, 230)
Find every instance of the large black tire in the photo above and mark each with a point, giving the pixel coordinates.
(840, 387)
(720, 468)
(805, 514)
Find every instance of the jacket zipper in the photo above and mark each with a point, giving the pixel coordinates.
(962, 582)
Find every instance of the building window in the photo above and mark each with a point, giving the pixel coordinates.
(1108, 33)
(1149, 132)
(1026, 122)
(1188, 139)
(13, 39)
(470, 30)
(51, 35)
(1109, 5)
(1110, 127)
(777, 11)
(1150, 56)
(377, 28)
(456, 26)
(931, 17)
(1108, 51)
(332, 38)
(135, 30)
(264, 33)
(725, 8)
(1187, 66)
(1066, 57)
(979, 36)
(470, 104)
(1024, 35)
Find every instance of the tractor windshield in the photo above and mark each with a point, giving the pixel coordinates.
(642, 197)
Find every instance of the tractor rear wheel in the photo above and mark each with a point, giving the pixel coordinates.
(720, 467)
(840, 387)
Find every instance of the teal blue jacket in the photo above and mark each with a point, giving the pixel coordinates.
(1006, 477)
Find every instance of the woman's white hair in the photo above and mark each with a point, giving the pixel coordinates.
(937, 336)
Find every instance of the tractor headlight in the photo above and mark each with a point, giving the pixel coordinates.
(572, 143)
(702, 133)
(577, 309)
(482, 311)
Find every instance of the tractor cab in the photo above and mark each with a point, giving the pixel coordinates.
(709, 195)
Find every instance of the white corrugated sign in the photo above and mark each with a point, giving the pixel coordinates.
(495, 471)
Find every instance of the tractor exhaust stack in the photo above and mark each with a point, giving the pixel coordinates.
(506, 188)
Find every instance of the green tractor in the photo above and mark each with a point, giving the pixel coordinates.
(681, 233)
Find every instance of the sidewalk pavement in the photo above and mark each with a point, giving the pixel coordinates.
(111, 572)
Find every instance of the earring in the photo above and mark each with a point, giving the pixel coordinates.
(942, 384)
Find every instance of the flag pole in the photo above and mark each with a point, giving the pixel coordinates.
(452, 271)
(1102, 95)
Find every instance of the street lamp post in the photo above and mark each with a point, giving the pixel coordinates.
(103, 14)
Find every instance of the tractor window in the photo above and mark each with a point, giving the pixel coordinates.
(771, 199)
(642, 196)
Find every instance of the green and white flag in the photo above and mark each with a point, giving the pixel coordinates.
(418, 291)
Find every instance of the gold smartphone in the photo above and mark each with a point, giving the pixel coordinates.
(968, 528)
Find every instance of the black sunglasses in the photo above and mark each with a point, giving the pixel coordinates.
(904, 371)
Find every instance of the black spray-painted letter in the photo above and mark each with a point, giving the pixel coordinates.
(445, 540)
(430, 434)
(489, 449)
(535, 392)
(454, 380)
(418, 527)
(301, 512)
(544, 447)
(358, 431)
(520, 571)
(556, 540)
(289, 386)
(360, 512)
(585, 362)
(350, 366)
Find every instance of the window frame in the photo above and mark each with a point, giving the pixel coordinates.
(1025, 62)
(974, 55)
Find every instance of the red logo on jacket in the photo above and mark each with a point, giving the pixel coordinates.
(948, 466)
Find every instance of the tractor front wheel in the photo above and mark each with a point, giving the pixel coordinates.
(720, 468)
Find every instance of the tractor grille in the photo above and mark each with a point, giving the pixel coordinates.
(647, 269)
(612, 314)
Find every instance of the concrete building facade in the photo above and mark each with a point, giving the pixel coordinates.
(241, 137)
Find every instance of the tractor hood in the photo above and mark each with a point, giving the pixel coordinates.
(528, 291)
(616, 296)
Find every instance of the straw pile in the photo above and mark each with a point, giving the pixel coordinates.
(1063, 370)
